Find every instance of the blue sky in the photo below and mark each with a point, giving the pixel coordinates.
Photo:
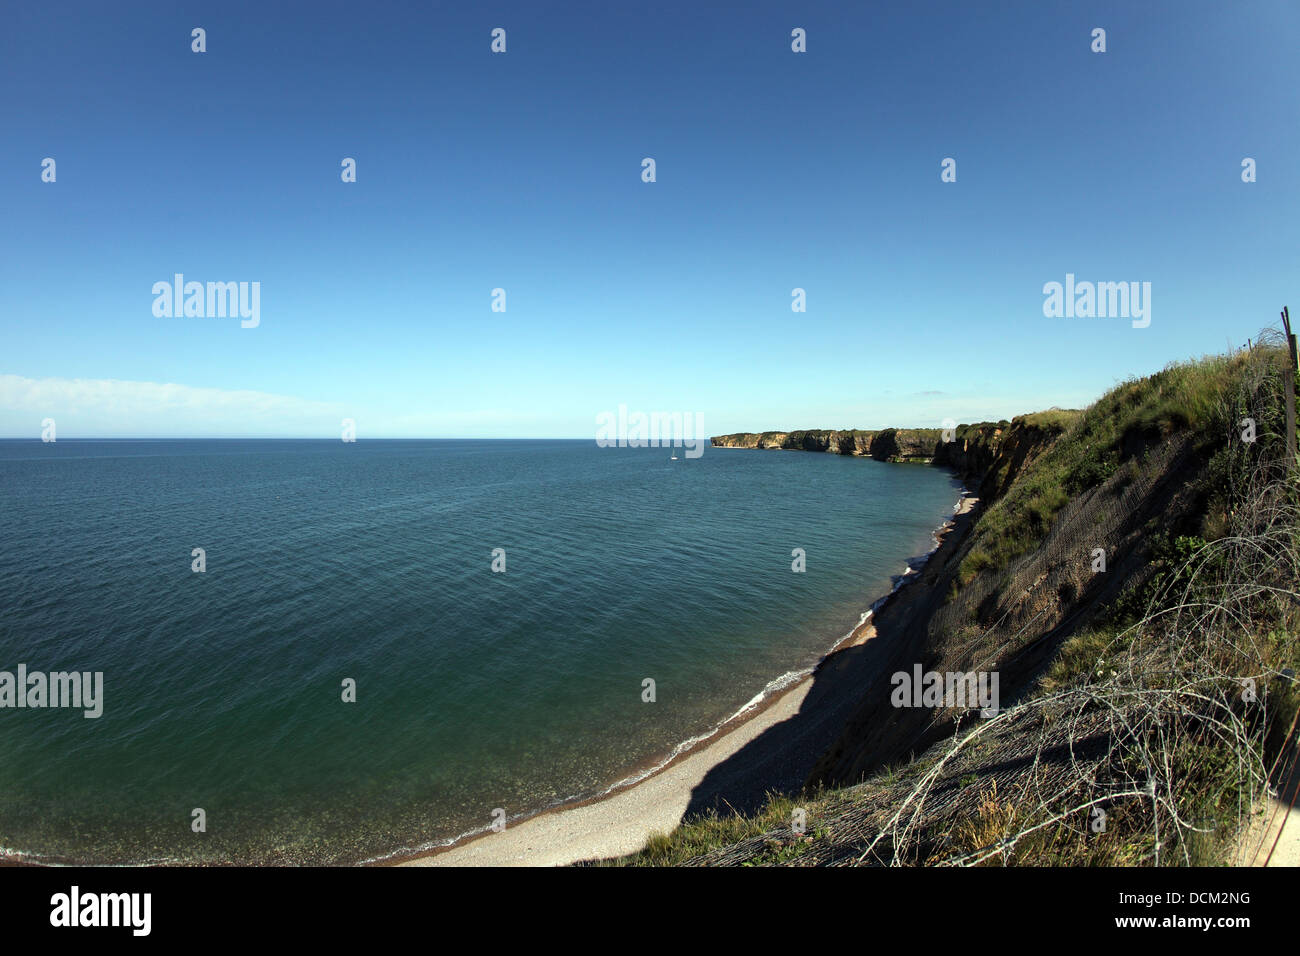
(522, 171)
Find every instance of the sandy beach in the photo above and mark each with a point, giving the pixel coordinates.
(620, 823)
(782, 737)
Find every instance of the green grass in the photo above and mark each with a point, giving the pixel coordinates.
(1094, 444)
(711, 830)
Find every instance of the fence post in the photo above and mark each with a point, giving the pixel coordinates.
(1288, 382)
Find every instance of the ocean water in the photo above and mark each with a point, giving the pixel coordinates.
(372, 561)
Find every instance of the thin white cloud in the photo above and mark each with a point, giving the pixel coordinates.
(116, 408)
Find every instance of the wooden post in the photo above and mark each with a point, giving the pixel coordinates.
(1288, 382)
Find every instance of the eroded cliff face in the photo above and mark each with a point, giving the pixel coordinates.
(971, 455)
(836, 442)
(963, 616)
(990, 455)
(890, 444)
(952, 620)
(750, 440)
(907, 444)
(987, 455)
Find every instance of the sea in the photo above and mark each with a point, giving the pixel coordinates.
(328, 652)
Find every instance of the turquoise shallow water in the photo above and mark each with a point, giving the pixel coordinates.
(372, 561)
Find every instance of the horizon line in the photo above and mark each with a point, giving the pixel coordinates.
(37, 438)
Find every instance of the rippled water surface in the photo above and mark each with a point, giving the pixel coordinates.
(373, 561)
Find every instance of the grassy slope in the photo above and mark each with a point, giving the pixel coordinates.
(1185, 396)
